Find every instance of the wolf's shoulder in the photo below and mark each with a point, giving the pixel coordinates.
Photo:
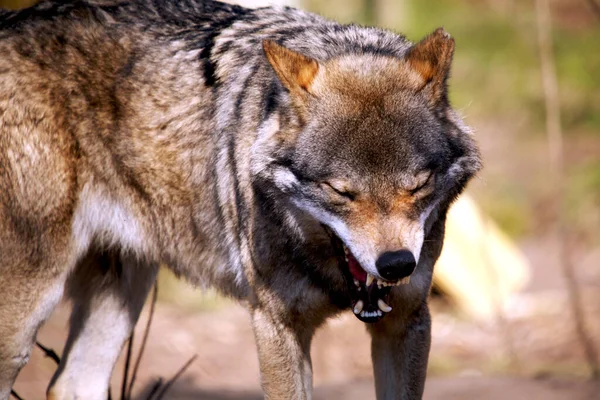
(310, 34)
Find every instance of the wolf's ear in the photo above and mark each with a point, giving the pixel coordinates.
(295, 70)
(431, 59)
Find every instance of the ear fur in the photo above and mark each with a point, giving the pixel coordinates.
(431, 59)
(295, 70)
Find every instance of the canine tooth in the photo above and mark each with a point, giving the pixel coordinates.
(383, 306)
(379, 313)
(358, 307)
(356, 283)
(380, 283)
(370, 279)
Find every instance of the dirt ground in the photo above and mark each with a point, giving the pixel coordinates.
(529, 351)
(468, 360)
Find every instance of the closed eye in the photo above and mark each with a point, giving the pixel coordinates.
(338, 190)
(425, 181)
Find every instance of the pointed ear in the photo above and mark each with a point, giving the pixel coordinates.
(295, 70)
(431, 59)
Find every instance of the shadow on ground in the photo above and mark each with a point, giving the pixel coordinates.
(436, 389)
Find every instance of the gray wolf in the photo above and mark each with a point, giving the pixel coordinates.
(301, 166)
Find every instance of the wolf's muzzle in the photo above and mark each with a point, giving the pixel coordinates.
(395, 265)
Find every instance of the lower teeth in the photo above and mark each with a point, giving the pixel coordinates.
(367, 314)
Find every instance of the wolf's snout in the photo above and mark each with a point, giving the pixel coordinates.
(395, 265)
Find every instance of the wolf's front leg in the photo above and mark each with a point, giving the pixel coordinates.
(108, 292)
(284, 355)
(400, 349)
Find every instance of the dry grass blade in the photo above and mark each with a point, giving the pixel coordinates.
(155, 388)
(126, 371)
(49, 352)
(144, 340)
(15, 395)
(171, 381)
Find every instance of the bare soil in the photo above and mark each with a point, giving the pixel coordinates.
(528, 351)
(468, 361)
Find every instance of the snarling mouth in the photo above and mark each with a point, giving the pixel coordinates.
(369, 296)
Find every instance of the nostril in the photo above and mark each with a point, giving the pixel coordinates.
(394, 265)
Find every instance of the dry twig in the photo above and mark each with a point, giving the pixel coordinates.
(15, 395)
(144, 340)
(127, 363)
(155, 388)
(171, 381)
(49, 352)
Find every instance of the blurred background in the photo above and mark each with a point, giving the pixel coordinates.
(516, 303)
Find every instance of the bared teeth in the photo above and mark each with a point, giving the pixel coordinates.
(370, 279)
(383, 306)
(381, 283)
(371, 314)
(403, 281)
(358, 307)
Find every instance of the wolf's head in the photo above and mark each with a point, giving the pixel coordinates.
(369, 147)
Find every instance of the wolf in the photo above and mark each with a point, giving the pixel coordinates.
(301, 166)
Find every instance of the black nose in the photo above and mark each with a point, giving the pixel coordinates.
(394, 265)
